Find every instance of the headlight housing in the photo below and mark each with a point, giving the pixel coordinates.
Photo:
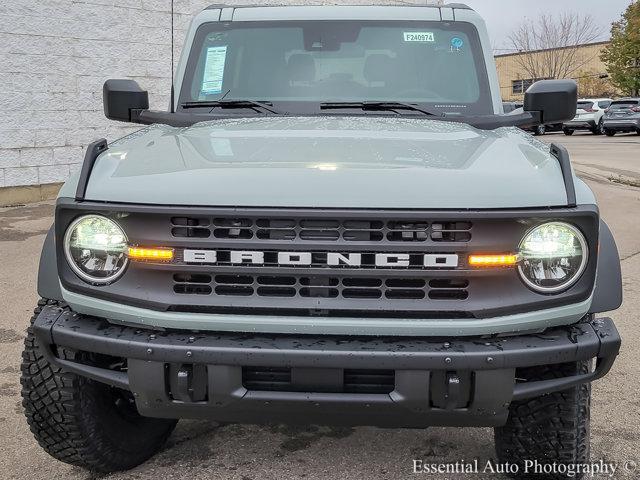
(95, 247)
(552, 257)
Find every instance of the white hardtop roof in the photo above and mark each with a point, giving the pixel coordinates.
(398, 11)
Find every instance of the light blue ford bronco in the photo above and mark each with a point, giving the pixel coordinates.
(333, 223)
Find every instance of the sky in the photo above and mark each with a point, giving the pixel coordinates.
(502, 16)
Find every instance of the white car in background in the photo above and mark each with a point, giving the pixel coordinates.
(588, 116)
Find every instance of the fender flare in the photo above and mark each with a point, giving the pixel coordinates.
(607, 294)
(48, 281)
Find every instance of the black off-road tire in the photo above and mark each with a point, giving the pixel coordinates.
(568, 131)
(551, 428)
(82, 422)
(609, 133)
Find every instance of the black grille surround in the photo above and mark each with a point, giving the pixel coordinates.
(318, 290)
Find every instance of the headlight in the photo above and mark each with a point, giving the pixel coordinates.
(552, 257)
(95, 248)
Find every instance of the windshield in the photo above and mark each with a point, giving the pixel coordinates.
(303, 64)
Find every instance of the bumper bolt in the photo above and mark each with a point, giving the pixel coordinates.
(149, 351)
(447, 360)
(189, 353)
(489, 359)
(152, 337)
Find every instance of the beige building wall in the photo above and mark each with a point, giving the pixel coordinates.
(510, 70)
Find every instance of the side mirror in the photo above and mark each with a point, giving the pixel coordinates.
(121, 97)
(554, 101)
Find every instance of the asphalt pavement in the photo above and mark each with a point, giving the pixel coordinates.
(205, 450)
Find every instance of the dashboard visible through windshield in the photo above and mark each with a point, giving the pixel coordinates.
(305, 64)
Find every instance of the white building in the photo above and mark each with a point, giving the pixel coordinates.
(54, 57)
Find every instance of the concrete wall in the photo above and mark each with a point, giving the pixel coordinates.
(55, 56)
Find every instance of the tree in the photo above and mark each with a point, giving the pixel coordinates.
(592, 84)
(549, 46)
(622, 55)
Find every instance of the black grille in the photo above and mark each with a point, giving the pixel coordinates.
(369, 381)
(321, 230)
(289, 286)
(267, 379)
(353, 381)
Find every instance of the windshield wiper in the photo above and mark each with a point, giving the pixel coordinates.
(253, 104)
(379, 106)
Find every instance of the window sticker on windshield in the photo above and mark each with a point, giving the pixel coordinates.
(456, 44)
(214, 70)
(421, 37)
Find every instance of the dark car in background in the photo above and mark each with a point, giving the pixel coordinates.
(623, 115)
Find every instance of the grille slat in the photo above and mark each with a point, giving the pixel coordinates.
(290, 286)
(326, 230)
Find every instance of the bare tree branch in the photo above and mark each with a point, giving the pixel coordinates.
(548, 46)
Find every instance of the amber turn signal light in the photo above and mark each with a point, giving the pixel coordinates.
(493, 260)
(150, 254)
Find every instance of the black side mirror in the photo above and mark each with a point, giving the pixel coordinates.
(555, 101)
(123, 100)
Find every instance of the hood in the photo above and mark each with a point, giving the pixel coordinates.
(332, 162)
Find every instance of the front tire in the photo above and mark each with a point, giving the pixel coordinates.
(568, 131)
(550, 428)
(82, 422)
(540, 130)
(609, 133)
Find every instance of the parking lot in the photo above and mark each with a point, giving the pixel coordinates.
(199, 450)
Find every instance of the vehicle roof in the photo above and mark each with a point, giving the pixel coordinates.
(626, 99)
(599, 99)
(391, 11)
(399, 3)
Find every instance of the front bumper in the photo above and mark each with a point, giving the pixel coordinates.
(461, 382)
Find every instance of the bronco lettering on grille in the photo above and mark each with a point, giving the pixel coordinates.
(328, 259)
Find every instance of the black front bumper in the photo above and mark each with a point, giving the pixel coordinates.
(462, 382)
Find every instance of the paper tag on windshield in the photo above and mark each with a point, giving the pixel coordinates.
(214, 70)
(421, 37)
